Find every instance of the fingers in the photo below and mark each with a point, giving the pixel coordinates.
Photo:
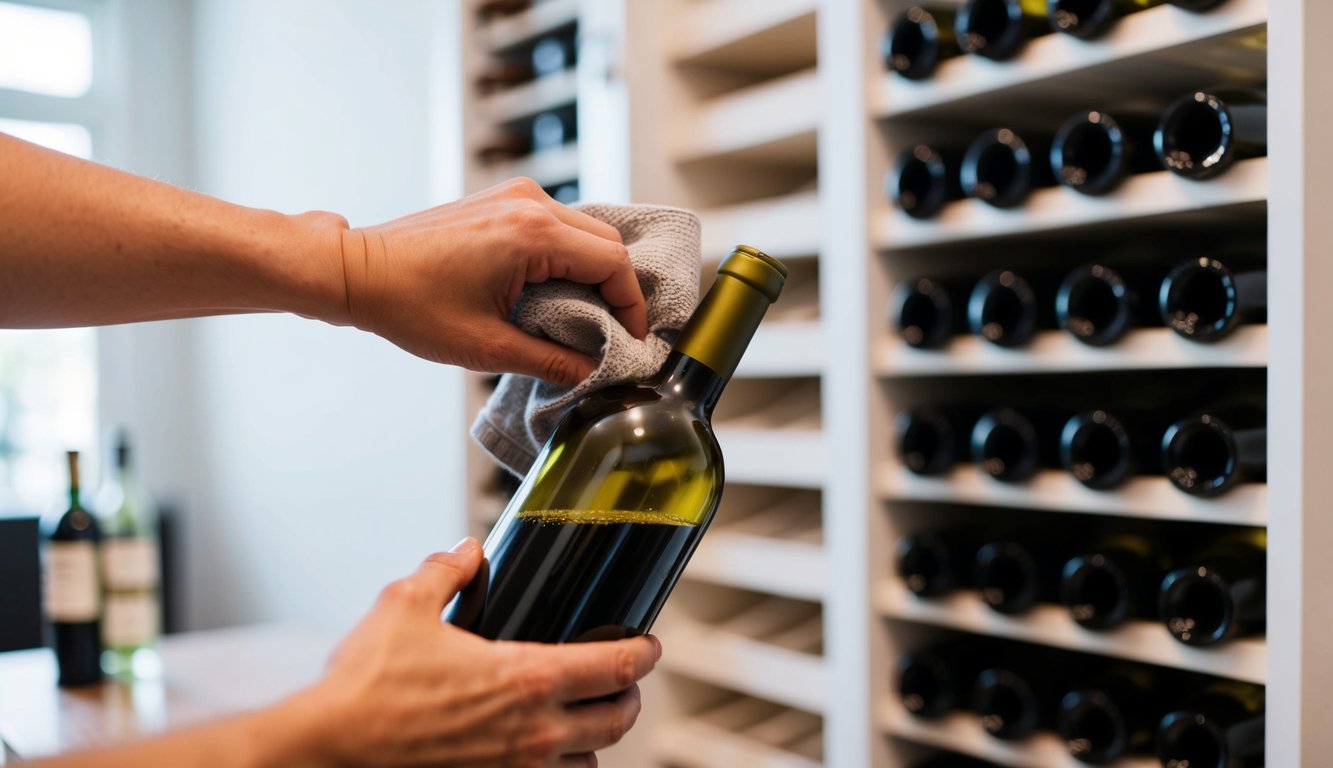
(531, 356)
(586, 258)
(442, 574)
(600, 724)
(592, 670)
(525, 187)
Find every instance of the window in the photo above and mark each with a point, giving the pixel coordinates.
(52, 93)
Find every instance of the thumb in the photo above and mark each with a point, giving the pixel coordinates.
(519, 352)
(443, 574)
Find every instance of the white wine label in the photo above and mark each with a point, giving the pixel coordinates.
(131, 619)
(129, 563)
(70, 587)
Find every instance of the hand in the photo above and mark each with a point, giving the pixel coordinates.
(442, 283)
(405, 689)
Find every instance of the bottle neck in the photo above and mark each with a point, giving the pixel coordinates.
(73, 458)
(714, 340)
(690, 380)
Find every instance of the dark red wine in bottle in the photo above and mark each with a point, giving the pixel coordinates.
(72, 591)
(918, 40)
(923, 180)
(1204, 133)
(1093, 151)
(1002, 168)
(1219, 593)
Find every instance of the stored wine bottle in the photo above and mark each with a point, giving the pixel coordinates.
(1204, 299)
(1208, 454)
(1012, 445)
(616, 501)
(936, 681)
(923, 179)
(1007, 309)
(1116, 715)
(1204, 133)
(932, 440)
(1102, 449)
(1218, 594)
(998, 29)
(1090, 18)
(919, 40)
(932, 563)
(1098, 304)
(1113, 581)
(1012, 576)
(1221, 727)
(131, 623)
(1016, 697)
(554, 129)
(1001, 168)
(1197, 5)
(927, 312)
(72, 589)
(552, 55)
(1093, 151)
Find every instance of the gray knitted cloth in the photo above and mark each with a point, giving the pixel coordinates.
(663, 245)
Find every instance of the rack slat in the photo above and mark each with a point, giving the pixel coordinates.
(785, 226)
(726, 659)
(531, 98)
(547, 168)
(541, 18)
(746, 35)
(793, 348)
(774, 122)
(697, 744)
(761, 563)
(794, 458)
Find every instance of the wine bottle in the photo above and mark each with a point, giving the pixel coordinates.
(919, 40)
(1115, 580)
(1102, 449)
(1013, 575)
(1204, 133)
(1205, 299)
(933, 563)
(1006, 309)
(1012, 445)
(72, 590)
(1218, 594)
(1001, 168)
(616, 501)
(552, 55)
(927, 312)
(1016, 697)
(1092, 152)
(1197, 6)
(1221, 727)
(131, 622)
(923, 180)
(931, 440)
(1099, 304)
(1091, 18)
(1208, 454)
(998, 29)
(936, 681)
(1116, 715)
(554, 129)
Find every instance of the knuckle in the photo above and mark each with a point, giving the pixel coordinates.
(618, 724)
(559, 368)
(524, 186)
(543, 740)
(531, 217)
(537, 684)
(400, 591)
(625, 668)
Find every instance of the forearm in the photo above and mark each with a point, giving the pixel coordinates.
(83, 244)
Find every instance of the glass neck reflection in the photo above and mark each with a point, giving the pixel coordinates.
(685, 378)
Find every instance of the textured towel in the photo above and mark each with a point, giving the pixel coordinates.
(663, 245)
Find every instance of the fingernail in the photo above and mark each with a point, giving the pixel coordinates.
(464, 545)
(657, 646)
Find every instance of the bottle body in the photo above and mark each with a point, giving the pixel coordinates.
(1223, 726)
(599, 531)
(919, 40)
(1091, 18)
(927, 313)
(1218, 593)
(1113, 581)
(72, 589)
(1204, 133)
(1205, 299)
(1093, 151)
(923, 179)
(998, 29)
(1002, 168)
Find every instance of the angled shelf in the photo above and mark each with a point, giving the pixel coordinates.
(789, 457)
(1056, 490)
(1165, 49)
(962, 732)
(1060, 352)
(1146, 196)
(760, 37)
(547, 168)
(1144, 641)
(531, 98)
(536, 21)
(785, 227)
(773, 121)
(698, 744)
(797, 569)
(784, 349)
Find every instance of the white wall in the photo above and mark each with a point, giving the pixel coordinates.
(325, 461)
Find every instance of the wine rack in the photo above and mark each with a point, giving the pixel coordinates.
(777, 122)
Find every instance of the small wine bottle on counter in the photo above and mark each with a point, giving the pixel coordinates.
(923, 180)
(1205, 299)
(1220, 727)
(1007, 309)
(1208, 454)
(1093, 152)
(1204, 133)
(1219, 593)
(1114, 580)
(1002, 168)
(998, 29)
(72, 589)
(1014, 574)
(927, 312)
(918, 40)
(1115, 715)
(616, 501)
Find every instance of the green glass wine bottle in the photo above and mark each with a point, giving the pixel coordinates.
(615, 503)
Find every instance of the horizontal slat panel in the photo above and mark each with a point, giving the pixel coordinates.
(536, 21)
(784, 227)
(774, 120)
(698, 744)
(548, 168)
(532, 97)
(787, 457)
(732, 661)
(746, 35)
(785, 349)
(788, 568)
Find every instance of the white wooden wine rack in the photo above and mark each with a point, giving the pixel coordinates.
(777, 122)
